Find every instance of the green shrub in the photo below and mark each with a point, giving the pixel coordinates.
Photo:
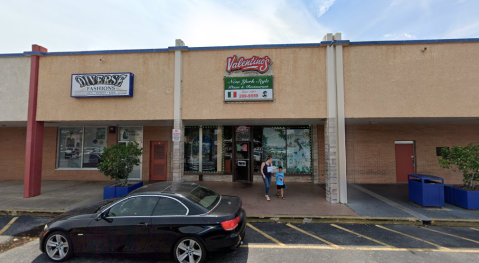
(118, 161)
(465, 159)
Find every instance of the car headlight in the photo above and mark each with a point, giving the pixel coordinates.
(46, 226)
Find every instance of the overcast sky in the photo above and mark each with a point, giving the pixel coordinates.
(65, 25)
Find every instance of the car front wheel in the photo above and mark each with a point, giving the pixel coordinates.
(58, 247)
(189, 249)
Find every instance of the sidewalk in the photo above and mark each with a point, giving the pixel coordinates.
(304, 202)
(56, 197)
(392, 200)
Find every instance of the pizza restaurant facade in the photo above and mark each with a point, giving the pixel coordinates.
(331, 113)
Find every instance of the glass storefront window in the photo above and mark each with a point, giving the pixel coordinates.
(70, 148)
(228, 148)
(132, 134)
(274, 145)
(192, 148)
(299, 151)
(81, 147)
(289, 148)
(209, 148)
(203, 151)
(93, 144)
(258, 148)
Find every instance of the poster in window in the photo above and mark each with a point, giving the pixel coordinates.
(299, 151)
(274, 145)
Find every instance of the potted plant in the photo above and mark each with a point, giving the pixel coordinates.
(117, 163)
(466, 160)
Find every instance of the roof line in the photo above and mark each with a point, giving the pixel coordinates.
(11, 55)
(322, 43)
(418, 41)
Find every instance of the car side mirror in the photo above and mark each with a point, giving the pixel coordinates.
(103, 215)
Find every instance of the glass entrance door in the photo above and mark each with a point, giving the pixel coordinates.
(243, 161)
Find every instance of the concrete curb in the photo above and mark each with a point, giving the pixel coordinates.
(34, 213)
(367, 220)
(455, 222)
(336, 219)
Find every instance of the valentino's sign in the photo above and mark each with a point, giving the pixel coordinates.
(102, 85)
(254, 63)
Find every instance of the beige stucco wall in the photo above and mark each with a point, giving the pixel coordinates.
(405, 81)
(299, 85)
(14, 84)
(152, 95)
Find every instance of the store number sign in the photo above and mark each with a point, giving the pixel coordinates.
(255, 88)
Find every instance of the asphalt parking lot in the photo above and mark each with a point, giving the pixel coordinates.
(314, 242)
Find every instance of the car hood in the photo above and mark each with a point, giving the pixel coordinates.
(83, 211)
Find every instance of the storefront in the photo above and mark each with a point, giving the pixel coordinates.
(331, 113)
(237, 152)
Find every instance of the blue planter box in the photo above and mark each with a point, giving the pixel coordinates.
(113, 191)
(426, 190)
(462, 198)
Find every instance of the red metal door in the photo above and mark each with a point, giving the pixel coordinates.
(404, 161)
(158, 161)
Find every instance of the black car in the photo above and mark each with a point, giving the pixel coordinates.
(184, 219)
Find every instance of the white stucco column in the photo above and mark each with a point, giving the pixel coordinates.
(341, 153)
(178, 147)
(334, 128)
(331, 125)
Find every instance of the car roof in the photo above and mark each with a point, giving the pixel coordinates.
(167, 188)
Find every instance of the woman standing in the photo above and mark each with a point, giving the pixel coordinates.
(266, 170)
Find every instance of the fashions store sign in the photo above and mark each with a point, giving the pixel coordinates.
(102, 85)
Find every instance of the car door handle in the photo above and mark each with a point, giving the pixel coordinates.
(143, 224)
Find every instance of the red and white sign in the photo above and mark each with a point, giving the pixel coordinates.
(176, 135)
(254, 63)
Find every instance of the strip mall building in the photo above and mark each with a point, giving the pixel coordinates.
(331, 113)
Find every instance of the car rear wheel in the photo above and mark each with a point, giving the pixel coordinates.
(58, 247)
(189, 249)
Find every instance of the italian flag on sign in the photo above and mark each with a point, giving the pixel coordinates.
(231, 94)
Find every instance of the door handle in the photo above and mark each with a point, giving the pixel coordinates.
(143, 224)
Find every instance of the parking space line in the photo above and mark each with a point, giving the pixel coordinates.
(474, 229)
(352, 248)
(372, 239)
(413, 237)
(5, 228)
(313, 236)
(447, 234)
(266, 235)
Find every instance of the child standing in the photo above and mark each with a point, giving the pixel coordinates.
(280, 182)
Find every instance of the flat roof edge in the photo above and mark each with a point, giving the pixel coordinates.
(418, 41)
(12, 55)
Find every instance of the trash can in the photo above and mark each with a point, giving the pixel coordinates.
(426, 190)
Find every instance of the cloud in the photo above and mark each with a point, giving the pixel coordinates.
(463, 31)
(323, 6)
(403, 36)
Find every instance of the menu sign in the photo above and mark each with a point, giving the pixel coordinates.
(255, 88)
(102, 85)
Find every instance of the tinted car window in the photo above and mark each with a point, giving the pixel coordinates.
(204, 197)
(169, 207)
(135, 206)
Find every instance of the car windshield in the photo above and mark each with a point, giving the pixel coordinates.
(204, 197)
